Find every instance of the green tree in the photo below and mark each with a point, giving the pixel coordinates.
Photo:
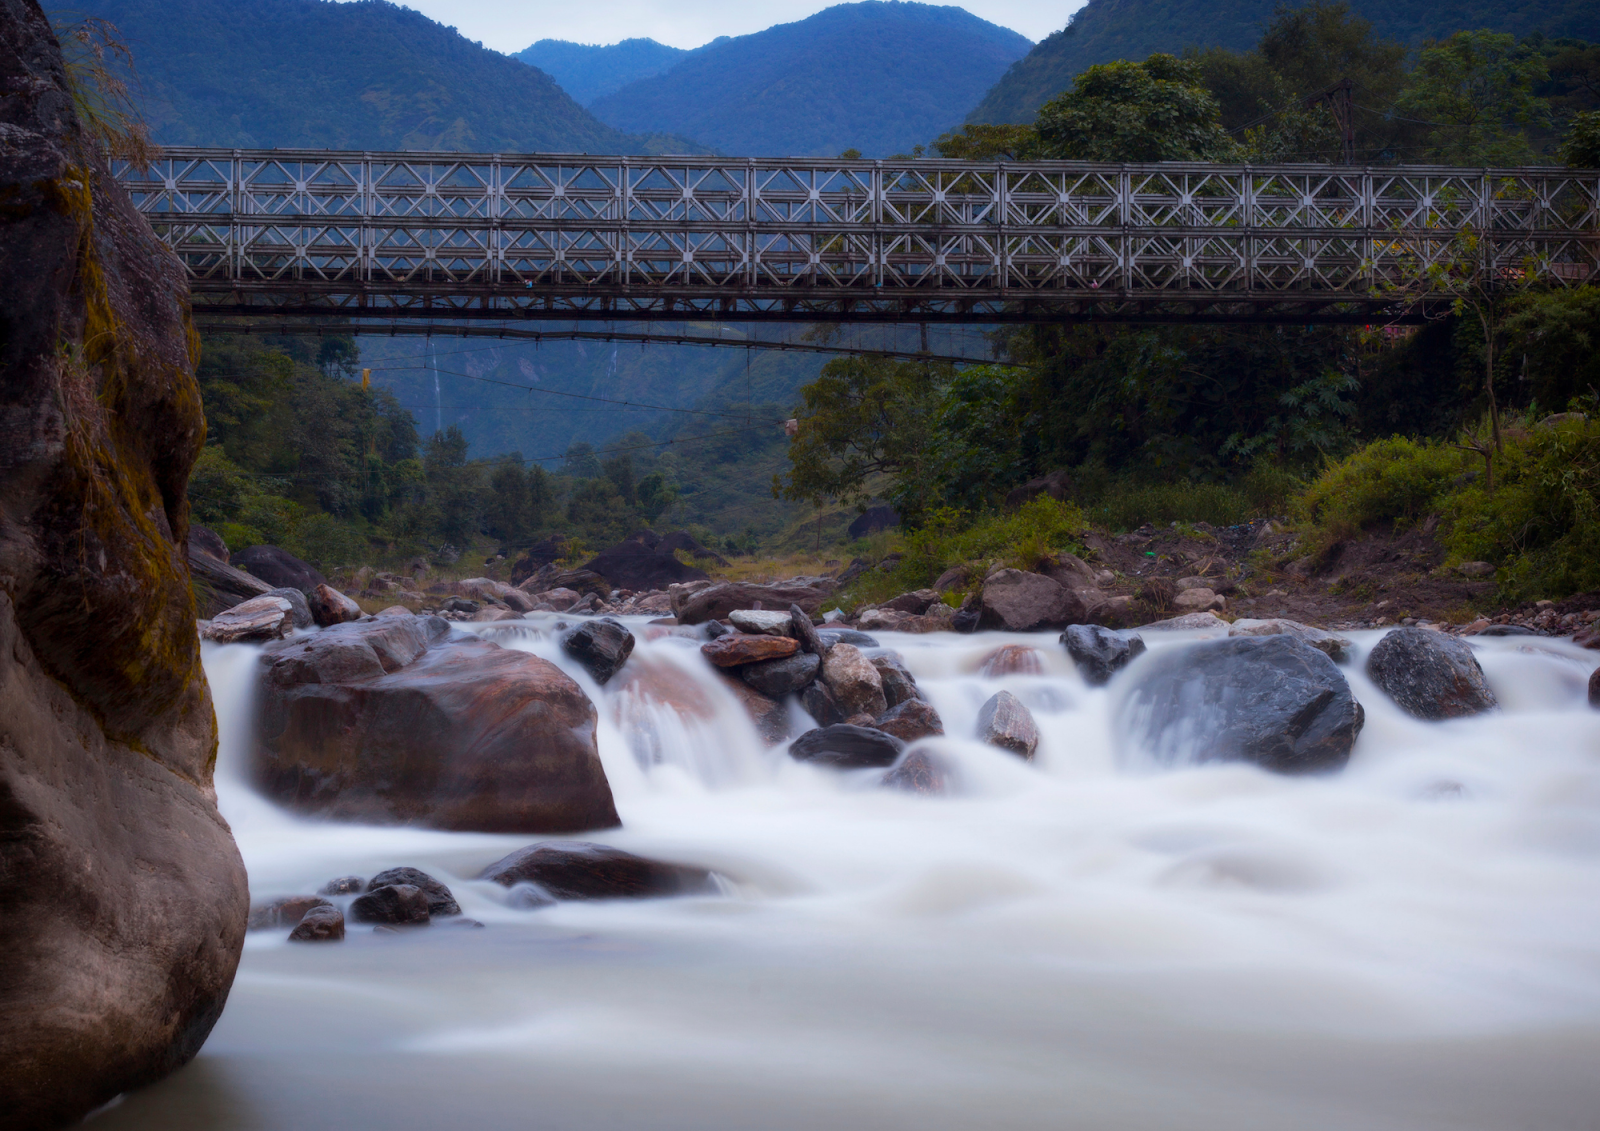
(508, 513)
(1476, 91)
(975, 142)
(1581, 149)
(1157, 110)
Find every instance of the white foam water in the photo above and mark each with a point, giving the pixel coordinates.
(1411, 943)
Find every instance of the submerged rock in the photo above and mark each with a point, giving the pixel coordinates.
(917, 772)
(846, 747)
(911, 720)
(320, 924)
(123, 900)
(284, 912)
(596, 871)
(770, 717)
(1100, 653)
(1004, 722)
(1429, 675)
(1011, 659)
(601, 646)
(392, 721)
(1271, 700)
(778, 678)
(440, 900)
(397, 904)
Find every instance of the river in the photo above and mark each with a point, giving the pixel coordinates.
(1411, 943)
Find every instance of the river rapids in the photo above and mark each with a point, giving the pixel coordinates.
(1411, 943)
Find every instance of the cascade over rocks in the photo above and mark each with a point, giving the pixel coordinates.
(1012, 659)
(278, 568)
(770, 717)
(391, 721)
(1004, 722)
(1272, 700)
(846, 747)
(918, 772)
(714, 602)
(1100, 653)
(123, 900)
(1429, 675)
(911, 720)
(601, 646)
(597, 871)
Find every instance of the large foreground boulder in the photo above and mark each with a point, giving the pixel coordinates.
(581, 870)
(390, 721)
(715, 602)
(1430, 675)
(279, 568)
(123, 900)
(1272, 700)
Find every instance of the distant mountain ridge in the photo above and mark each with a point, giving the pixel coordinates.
(361, 75)
(1104, 30)
(587, 72)
(879, 76)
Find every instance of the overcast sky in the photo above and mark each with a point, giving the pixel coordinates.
(510, 25)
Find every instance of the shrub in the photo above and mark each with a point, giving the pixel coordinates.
(1395, 480)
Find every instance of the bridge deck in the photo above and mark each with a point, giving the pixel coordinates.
(435, 235)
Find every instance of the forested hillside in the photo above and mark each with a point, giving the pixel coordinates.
(1104, 30)
(361, 75)
(588, 72)
(878, 77)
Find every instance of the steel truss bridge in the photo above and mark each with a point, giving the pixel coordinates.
(408, 236)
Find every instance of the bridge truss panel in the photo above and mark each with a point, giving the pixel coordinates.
(563, 236)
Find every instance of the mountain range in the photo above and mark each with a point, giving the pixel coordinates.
(1103, 30)
(362, 75)
(587, 72)
(879, 77)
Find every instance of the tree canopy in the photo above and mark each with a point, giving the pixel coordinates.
(1157, 110)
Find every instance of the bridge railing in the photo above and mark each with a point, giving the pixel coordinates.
(565, 234)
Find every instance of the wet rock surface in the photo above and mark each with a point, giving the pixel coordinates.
(898, 683)
(1274, 701)
(845, 746)
(1005, 722)
(1099, 653)
(401, 905)
(601, 646)
(392, 721)
(821, 705)
(770, 622)
(855, 683)
(123, 900)
(440, 900)
(320, 924)
(770, 717)
(735, 648)
(581, 870)
(1429, 675)
(801, 628)
(777, 678)
(911, 720)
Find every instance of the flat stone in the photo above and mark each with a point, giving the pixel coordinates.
(847, 747)
(1336, 647)
(1099, 653)
(1004, 722)
(251, 622)
(742, 648)
(1429, 675)
(769, 622)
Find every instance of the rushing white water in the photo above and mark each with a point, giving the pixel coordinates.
(1411, 943)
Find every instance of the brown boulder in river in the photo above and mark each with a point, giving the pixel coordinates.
(596, 871)
(389, 721)
(122, 897)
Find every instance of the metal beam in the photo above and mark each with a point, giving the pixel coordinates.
(399, 236)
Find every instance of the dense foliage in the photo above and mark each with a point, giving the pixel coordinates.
(1157, 110)
(879, 77)
(361, 75)
(1105, 30)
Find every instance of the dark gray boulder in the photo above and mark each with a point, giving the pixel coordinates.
(1100, 653)
(601, 646)
(278, 568)
(1508, 630)
(899, 684)
(1271, 700)
(846, 747)
(778, 678)
(801, 628)
(441, 902)
(1429, 675)
(398, 904)
(831, 636)
(821, 704)
(583, 870)
(299, 608)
